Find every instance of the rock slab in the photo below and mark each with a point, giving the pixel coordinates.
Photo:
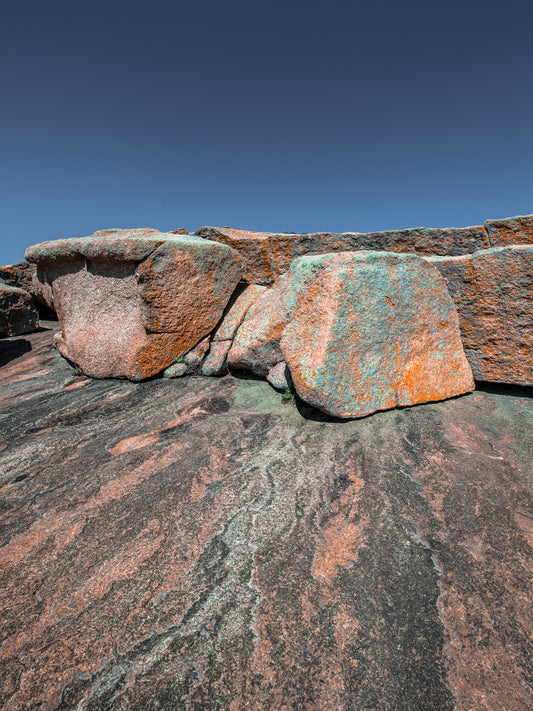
(270, 254)
(197, 544)
(17, 311)
(131, 301)
(493, 293)
(375, 330)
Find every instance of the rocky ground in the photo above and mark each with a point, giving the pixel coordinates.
(199, 544)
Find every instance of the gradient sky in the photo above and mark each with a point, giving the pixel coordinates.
(279, 116)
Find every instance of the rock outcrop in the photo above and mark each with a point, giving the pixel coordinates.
(511, 230)
(359, 332)
(493, 293)
(17, 311)
(131, 301)
(269, 254)
(197, 544)
(25, 276)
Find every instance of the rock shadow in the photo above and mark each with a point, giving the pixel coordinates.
(9, 350)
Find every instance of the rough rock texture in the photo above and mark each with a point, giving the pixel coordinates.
(279, 376)
(131, 301)
(256, 345)
(236, 311)
(215, 361)
(25, 276)
(511, 230)
(493, 293)
(17, 311)
(195, 544)
(269, 254)
(194, 358)
(373, 331)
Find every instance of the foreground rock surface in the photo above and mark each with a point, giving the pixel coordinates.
(194, 544)
(493, 293)
(132, 301)
(270, 254)
(375, 330)
(18, 313)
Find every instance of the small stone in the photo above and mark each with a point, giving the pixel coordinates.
(215, 362)
(279, 376)
(194, 358)
(175, 371)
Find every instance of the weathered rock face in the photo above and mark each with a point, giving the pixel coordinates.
(511, 230)
(17, 311)
(373, 331)
(25, 276)
(493, 293)
(196, 544)
(269, 254)
(131, 301)
(256, 345)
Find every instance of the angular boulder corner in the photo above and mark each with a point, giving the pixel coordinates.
(375, 330)
(18, 313)
(493, 293)
(131, 301)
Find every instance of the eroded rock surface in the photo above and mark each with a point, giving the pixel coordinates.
(195, 544)
(18, 313)
(131, 301)
(25, 276)
(270, 254)
(493, 293)
(375, 330)
(511, 230)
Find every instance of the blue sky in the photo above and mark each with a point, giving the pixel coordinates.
(281, 116)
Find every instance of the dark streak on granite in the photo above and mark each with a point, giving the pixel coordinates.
(195, 544)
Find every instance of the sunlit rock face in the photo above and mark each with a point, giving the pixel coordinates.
(493, 293)
(510, 230)
(131, 301)
(18, 313)
(375, 330)
(269, 254)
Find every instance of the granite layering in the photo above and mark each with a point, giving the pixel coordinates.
(209, 543)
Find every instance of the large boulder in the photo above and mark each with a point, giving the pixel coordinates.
(493, 293)
(511, 230)
(25, 276)
(374, 331)
(17, 311)
(132, 301)
(270, 254)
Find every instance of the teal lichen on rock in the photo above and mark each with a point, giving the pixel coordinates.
(373, 331)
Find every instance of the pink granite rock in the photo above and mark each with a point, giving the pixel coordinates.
(493, 293)
(511, 230)
(215, 362)
(131, 301)
(256, 343)
(270, 254)
(375, 330)
(25, 276)
(17, 311)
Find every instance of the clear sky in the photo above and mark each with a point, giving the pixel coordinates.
(277, 116)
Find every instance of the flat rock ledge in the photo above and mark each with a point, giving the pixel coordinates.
(132, 301)
(197, 544)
